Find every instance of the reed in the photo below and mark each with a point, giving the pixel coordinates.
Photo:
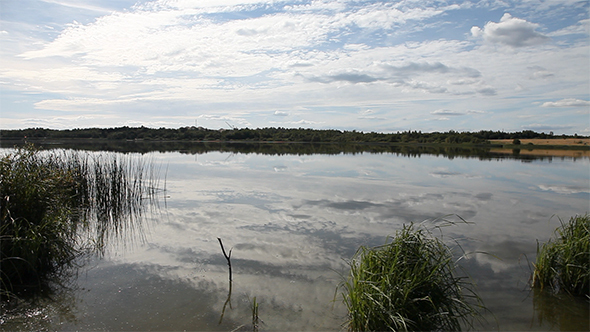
(255, 318)
(563, 263)
(410, 283)
(56, 206)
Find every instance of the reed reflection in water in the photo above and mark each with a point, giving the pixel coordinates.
(58, 206)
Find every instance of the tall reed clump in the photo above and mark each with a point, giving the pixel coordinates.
(119, 189)
(408, 284)
(563, 263)
(54, 206)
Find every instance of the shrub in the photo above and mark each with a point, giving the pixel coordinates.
(563, 263)
(408, 284)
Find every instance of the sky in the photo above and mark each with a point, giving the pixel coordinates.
(383, 66)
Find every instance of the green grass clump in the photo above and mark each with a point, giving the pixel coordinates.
(55, 206)
(408, 284)
(39, 203)
(563, 263)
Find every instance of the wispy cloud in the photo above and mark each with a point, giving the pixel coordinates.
(254, 60)
(80, 5)
(569, 102)
(447, 113)
(582, 28)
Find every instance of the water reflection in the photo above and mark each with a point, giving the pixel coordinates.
(560, 312)
(481, 152)
(292, 230)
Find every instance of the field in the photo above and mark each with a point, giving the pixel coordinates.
(572, 147)
(553, 141)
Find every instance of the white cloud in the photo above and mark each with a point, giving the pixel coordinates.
(569, 102)
(475, 112)
(79, 5)
(386, 16)
(510, 31)
(249, 59)
(301, 122)
(582, 28)
(447, 113)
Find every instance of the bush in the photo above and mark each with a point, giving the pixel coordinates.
(408, 284)
(563, 263)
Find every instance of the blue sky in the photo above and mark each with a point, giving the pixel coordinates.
(382, 66)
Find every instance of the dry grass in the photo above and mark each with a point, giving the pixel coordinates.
(553, 141)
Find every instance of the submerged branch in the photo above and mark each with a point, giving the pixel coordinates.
(228, 300)
(227, 257)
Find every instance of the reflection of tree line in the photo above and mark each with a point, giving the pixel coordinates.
(412, 150)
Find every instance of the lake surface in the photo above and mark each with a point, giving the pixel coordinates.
(292, 222)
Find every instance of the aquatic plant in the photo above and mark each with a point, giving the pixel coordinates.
(410, 283)
(38, 202)
(563, 263)
(56, 206)
(255, 318)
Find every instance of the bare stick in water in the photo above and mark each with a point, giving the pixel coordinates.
(226, 257)
(226, 302)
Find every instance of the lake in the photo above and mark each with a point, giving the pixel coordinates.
(293, 219)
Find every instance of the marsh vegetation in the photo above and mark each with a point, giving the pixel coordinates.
(56, 206)
(411, 283)
(563, 263)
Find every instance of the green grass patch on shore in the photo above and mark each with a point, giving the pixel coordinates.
(408, 284)
(563, 263)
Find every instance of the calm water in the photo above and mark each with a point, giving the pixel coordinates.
(292, 221)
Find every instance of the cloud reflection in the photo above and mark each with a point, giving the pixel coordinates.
(292, 232)
(560, 189)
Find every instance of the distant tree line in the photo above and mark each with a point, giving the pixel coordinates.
(271, 134)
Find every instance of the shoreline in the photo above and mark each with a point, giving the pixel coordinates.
(569, 142)
(559, 147)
